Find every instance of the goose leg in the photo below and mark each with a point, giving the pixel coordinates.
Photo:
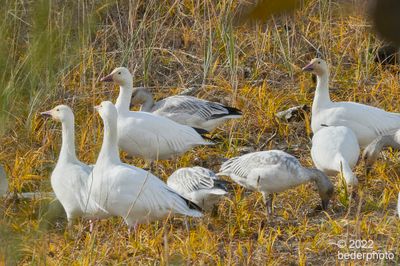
(268, 198)
(214, 212)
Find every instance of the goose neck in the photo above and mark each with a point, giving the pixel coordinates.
(321, 97)
(67, 152)
(109, 152)
(148, 104)
(124, 98)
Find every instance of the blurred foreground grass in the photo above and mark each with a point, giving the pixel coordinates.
(54, 52)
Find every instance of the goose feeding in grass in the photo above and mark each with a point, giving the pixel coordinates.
(70, 178)
(336, 149)
(274, 171)
(371, 152)
(186, 110)
(199, 185)
(367, 122)
(147, 135)
(127, 191)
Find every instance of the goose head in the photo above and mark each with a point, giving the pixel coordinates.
(61, 113)
(107, 111)
(140, 96)
(325, 187)
(317, 66)
(120, 75)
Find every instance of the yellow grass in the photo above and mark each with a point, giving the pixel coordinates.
(179, 44)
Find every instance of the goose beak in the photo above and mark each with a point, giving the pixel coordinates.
(46, 114)
(97, 108)
(108, 78)
(308, 68)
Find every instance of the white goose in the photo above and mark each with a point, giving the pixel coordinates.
(146, 135)
(127, 191)
(367, 122)
(335, 149)
(70, 178)
(186, 110)
(274, 171)
(199, 185)
(371, 152)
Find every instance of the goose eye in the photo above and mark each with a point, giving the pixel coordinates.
(119, 73)
(58, 110)
(319, 62)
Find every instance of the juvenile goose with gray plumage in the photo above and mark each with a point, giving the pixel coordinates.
(186, 110)
(274, 171)
(199, 185)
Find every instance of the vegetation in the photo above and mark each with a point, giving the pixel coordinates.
(54, 52)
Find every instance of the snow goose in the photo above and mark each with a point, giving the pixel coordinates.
(274, 171)
(147, 135)
(335, 149)
(186, 110)
(367, 122)
(372, 151)
(70, 178)
(199, 185)
(127, 191)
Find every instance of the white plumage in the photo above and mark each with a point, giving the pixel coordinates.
(127, 191)
(186, 110)
(335, 149)
(274, 171)
(70, 178)
(367, 122)
(146, 135)
(199, 185)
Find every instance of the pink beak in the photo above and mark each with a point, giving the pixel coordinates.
(97, 107)
(46, 114)
(309, 67)
(108, 78)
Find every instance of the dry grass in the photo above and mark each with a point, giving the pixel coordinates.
(180, 44)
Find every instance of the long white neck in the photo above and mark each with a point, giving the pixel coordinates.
(67, 153)
(148, 104)
(321, 97)
(109, 152)
(124, 98)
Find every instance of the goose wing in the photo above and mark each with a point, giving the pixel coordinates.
(192, 179)
(193, 106)
(242, 166)
(378, 120)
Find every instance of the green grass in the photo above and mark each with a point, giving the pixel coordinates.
(54, 53)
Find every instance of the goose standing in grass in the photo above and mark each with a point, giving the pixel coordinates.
(367, 122)
(371, 152)
(199, 185)
(127, 191)
(146, 135)
(186, 110)
(274, 171)
(70, 178)
(335, 149)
